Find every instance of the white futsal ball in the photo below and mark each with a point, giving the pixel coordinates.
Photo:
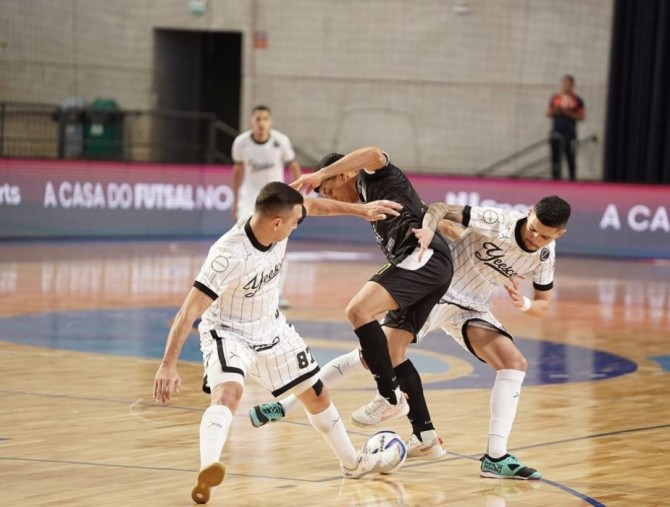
(386, 439)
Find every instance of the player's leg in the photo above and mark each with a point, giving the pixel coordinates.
(555, 144)
(571, 157)
(224, 366)
(332, 373)
(374, 299)
(325, 418)
(499, 351)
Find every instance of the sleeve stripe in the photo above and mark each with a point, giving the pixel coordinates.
(466, 215)
(547, 286)
(206, 290)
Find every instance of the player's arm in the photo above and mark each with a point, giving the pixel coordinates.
(371, 159)
(238, 177)
(435, 214)
(536, 307)
(370, 211)
(167, 380)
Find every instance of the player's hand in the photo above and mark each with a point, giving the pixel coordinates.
(514, 290)
(307, 182)
(380, 210)
(166, 383)
(424, 236)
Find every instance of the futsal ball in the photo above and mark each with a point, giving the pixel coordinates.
(383, 440)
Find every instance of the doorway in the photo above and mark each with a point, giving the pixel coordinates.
(198, 74)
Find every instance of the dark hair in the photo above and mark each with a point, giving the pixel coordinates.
(552, 211)
(261, 107)
(277, 197)
(327, 160)
(570, 78)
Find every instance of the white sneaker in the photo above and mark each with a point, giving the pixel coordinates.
(385, 461)
(208, 478)
(380, 410)
(431, 449)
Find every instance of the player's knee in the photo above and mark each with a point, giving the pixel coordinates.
(228, 393)
(356, 314)
(515, 361)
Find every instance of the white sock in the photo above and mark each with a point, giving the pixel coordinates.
(504, 400)
(214, 428)
(330, 425)
(334, 372)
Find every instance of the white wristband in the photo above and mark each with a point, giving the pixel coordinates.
(526, 304)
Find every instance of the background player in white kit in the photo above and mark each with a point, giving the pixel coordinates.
(495, 248)
(243, 333)
(260, 156)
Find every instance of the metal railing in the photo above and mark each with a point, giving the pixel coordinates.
(48, 131)
(538, 166)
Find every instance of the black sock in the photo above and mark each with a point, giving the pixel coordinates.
(375, 352)
(410, 383)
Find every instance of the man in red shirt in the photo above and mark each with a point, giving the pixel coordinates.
(566, 108)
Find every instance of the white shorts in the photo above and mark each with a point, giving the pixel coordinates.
(453, 320)
(283, 365)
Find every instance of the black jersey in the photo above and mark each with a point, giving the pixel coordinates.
(394, 235)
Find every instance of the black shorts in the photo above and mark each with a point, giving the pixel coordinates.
(415, 292)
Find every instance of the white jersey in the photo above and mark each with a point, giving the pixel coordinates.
(262, 162)
(241, 275)
(489, 252)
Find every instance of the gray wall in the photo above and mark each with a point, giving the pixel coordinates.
(441, 91)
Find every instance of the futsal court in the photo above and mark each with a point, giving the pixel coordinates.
(83, 325)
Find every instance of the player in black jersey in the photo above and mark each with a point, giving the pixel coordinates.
(408, 282)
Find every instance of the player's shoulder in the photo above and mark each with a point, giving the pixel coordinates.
(279, 136)
(244, 137)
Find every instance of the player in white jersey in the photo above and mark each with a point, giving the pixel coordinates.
(243, 333)
(496, 248)
(260, 156)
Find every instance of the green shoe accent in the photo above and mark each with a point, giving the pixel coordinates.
(506, 467)
(265, 413)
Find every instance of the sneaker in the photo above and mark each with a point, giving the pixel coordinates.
(208, 478)
(385, 461)
(284, 304)
(416, 449)
(380, 410)
(265, 413)
(506, 467)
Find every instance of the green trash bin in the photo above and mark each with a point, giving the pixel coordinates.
(103, 130)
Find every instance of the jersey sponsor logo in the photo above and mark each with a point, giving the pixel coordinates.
(544, 254)
(260, 166)
(493, 256)
(255, 284)
(219, 264)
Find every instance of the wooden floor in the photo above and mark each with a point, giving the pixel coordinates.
(82, 326)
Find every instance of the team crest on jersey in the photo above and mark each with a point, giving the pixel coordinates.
(490, 216)
(219, 264)
(544, 254)
(276, 144)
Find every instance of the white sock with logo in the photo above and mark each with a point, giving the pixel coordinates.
(214, 428)
(334, 372)
(330, 425)
(504, 401)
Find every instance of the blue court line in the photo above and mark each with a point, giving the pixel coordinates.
(581, 496)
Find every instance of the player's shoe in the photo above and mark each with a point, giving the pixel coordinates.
(416, 449)
(380, 410)
(208, 478)
(265, 413)
(506, 467)
(381, 462)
